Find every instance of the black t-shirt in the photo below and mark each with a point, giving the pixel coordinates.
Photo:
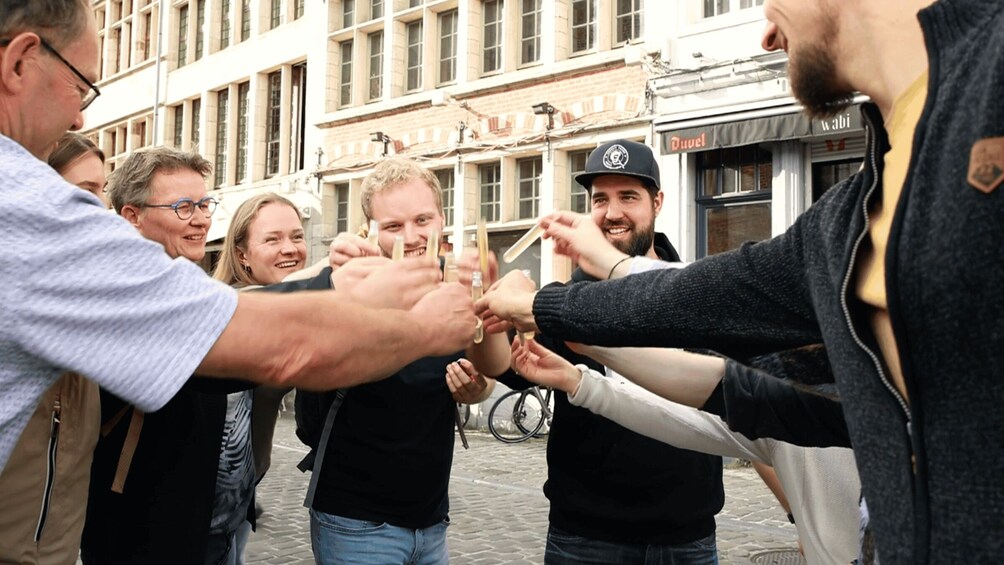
(391, 449)
(606, 482)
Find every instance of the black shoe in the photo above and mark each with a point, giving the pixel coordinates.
(258, 511)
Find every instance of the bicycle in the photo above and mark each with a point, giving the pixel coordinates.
(521, 414)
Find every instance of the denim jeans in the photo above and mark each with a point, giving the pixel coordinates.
(564, 548)
(228, 549)
(337, 540)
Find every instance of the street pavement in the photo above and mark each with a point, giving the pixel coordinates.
(498, 512)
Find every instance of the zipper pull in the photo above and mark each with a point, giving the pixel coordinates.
(56, 414)
(913, 451)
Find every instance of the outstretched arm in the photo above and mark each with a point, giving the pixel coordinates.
(634, 407)
(319, 340)
(751, 401)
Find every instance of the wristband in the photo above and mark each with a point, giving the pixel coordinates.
(617, 264)
(791, 518)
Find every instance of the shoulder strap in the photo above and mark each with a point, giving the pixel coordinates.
(128, 445)
(322, 445)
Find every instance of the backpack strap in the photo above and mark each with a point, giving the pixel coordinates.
(128, 446)
(316, 456)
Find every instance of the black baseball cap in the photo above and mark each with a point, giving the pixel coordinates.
(621, 157)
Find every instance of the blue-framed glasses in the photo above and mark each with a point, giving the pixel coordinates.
(185, 207)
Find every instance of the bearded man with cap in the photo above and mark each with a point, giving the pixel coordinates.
(618, 497)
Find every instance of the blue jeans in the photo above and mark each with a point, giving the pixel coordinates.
(564, 548)
(228, 549)
(337, 540)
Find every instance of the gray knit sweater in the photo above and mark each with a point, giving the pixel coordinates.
(931, 470)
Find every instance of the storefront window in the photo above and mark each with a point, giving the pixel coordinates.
(829, 173)
(734, 194)
(727, 227)
(735, 170)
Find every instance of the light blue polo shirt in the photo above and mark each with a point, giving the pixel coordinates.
(81, 290)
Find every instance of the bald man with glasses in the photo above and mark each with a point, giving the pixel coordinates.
(84, 292)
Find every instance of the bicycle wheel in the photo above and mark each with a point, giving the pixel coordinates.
(501, 421)
(546, 415)
(529, 414)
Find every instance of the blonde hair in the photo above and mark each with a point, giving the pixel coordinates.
(392, 172)
(229, 269)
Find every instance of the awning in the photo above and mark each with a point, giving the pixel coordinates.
(733, 130)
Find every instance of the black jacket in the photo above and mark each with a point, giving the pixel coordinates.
(163, 514)
(606, 482)
(932, 470)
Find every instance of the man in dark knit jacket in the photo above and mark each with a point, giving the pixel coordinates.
(618, 497)
(915, 349)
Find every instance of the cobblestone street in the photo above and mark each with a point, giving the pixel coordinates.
(498, 511)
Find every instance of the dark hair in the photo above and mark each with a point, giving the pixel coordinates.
(61, 21)
(69, 148)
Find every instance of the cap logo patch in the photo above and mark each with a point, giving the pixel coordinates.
(616, 157)
(986, 164)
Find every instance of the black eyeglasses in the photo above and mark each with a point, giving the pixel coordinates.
(185, 207)
(92, 91)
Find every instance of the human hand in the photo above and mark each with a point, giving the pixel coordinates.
(468, 262)
(382, 283)
(348, 246)
(507, 304)
(446, 315)
(540, 365)
(466, 384)
(577, 236)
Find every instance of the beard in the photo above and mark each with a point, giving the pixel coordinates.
(639, 243)
(814, 82)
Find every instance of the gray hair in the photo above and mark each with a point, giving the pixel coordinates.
(61, 21)
(130, 182)
(392, 172)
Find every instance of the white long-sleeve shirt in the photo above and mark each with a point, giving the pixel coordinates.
(821, 484)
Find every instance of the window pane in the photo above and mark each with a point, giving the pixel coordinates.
(182, 36)
(179, 124)
(728, 227)
(345, 94)
(530, 32)
(448, 46)
(376, 66)
(491, 191)
(243, 94)
(348, 13)
(297, 117)
(196, 118)
(224, 24)
(579, 201)
(272, 120)
(200, 20)
(222, 107)
(628, 20)
(245, 20)
(528, 182)
(276, 14)
(583, 25)
(414, 55)
(342, 208)
(492, 48)
(446, 181)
